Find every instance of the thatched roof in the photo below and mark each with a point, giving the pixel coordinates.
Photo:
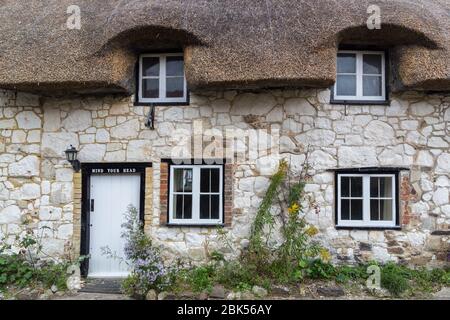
(227, 43)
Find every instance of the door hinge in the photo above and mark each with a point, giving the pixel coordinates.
(92, 205)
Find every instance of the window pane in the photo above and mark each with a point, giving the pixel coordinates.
(182, 206)
(386, 210)
(374, 183)
(150, 88)
(356, 209)
(204, 206)
(150, 67)
(372, 64)
(374, 206)
(174, 66)
(182, 180)
(175, 87)
(215, 206)
(385, 187)
(346, 85)
(356, 186)
(187, 205)
(346, 63)
(210, 180)
(204, 180)
(178, 180)
(345, 187)
(215, 180)
(178, 206)
(345, 209)
(372, 86)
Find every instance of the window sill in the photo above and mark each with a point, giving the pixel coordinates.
(193, 225)
(361, 102)
(160, 104)
(367, 228)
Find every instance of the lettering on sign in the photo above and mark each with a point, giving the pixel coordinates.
(114, 170)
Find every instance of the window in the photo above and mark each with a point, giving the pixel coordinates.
(366, 200)
(195, 194)
(161, 78)
(360, 76)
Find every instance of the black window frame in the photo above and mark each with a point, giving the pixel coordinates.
(137, 101)
(194, 162)
(370, 170)
(387, 74)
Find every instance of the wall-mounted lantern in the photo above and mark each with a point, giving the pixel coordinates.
(71, 156)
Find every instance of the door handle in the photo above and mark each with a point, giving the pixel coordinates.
(92, 204)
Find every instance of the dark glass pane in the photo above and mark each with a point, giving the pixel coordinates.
(374, 209)
(385, 187)
(178, 206)
(372, 64)
(345, 187)
(174, 66)
(174, 87)
(356, 187)
(346, 63)
(372, 86)
(215, 206)
(204, 180)
(345, 209)
(150, 67)
(215, 180)
(346, 85)
(187, 180)
(178, 180)
(204, 206)
(182, 180)
(356, 209)
(187, 205)
(374, 181)
(386, 210)
(150, 88)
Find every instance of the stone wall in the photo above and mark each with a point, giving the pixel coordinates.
(36, 183)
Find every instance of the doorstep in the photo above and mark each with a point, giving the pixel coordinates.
(102, 285)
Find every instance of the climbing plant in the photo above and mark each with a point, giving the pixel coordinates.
(297, 248)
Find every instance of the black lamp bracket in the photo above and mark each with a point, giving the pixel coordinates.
(76, 165)
(150, 120)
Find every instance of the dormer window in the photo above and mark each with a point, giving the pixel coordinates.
(361, 77)
(161, 79)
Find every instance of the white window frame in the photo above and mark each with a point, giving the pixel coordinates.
(366, 222)
(162, 80)
(359, 77)
(195, 220)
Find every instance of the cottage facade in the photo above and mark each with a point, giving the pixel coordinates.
(367, 110)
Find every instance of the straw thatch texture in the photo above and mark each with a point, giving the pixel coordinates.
(227, 43)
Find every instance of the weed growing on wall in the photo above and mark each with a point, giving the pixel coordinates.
(286, 261)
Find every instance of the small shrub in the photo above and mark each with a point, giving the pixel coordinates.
(148, 270)
(236, 275)
(53, 274)
(317, 269)
(344, 274)
(200, 278)
(15, 270)
(394, 278)
(31, 267)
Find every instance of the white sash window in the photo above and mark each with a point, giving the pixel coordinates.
(161, 78)
(366, 200)
(196, 194)
(361, 76)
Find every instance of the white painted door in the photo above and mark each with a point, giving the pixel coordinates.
(111, 195)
